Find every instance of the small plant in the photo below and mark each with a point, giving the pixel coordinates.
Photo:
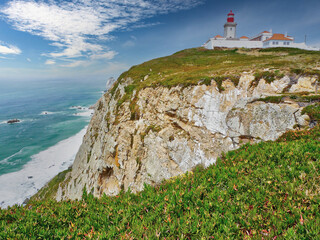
(271, 99)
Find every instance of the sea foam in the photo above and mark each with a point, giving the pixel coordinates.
(17, 186)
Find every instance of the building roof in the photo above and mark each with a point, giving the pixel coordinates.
(265, 32)
(278, 36)
(218, 36)
(244, 37)
(230, 13)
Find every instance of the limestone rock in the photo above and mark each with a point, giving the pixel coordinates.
(305, 84)
(172, 131)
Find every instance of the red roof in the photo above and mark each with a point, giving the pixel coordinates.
(265, 32)
(230, 13)
(244, 37)
(279, 36)
(218, 36)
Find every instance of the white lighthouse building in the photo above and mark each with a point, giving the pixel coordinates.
(265, 39)
(230, 27)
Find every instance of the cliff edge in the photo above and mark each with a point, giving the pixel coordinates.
(169, 115)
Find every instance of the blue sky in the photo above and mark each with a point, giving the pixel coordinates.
(97, 39)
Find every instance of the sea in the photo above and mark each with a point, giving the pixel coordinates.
(53, 118)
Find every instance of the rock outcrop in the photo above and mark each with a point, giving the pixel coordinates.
(11, 121)
(163, 132)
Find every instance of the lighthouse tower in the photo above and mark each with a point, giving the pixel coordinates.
(230, 27)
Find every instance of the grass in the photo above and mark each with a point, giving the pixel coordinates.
(306, 72)
(295, 97)
(269, 190)
(200, 66)
(268, 76)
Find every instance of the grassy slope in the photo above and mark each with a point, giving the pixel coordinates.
(265, 190)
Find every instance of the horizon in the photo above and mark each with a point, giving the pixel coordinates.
(42, 39)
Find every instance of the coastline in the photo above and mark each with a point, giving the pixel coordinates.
(18, 186)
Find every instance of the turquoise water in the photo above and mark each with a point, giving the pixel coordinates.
(28, 101)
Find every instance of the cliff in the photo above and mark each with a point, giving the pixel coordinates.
(167, 116)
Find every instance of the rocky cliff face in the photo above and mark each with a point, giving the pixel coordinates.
(162, 132)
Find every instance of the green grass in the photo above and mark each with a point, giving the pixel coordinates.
(295, 97)
(268, 76)
(269, 190)
(271, 99)
(290, 51)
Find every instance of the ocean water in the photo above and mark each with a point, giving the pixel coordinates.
(54, 115)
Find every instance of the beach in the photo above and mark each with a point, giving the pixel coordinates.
(16, 187)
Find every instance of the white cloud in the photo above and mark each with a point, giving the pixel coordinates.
(50, 62)
(9, 49)
(108, 55)
(77, 27)
(75, 64)
(129, 43)
(28, 59)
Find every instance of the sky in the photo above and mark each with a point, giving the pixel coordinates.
(98, 39)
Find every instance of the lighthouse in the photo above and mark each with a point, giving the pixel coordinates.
(230, 27)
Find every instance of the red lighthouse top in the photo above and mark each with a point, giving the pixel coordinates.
(230, 16)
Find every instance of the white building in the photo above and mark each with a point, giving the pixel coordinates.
(265, 39)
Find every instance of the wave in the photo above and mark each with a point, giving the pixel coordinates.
(86, 113)
(20, 154)
(48, 113)
(83, 111)
(79, 107)
(20, 185)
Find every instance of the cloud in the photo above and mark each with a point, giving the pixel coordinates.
(77, 27)
(108, 55)
(130, 43)
(75, 64)
(9, 49)
(50, 62)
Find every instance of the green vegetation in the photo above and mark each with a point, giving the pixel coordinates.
(268, 76)
(295, 97)
(307, 72)
(289, 51)
(201, 66)
(271, 99)
(269, 190)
